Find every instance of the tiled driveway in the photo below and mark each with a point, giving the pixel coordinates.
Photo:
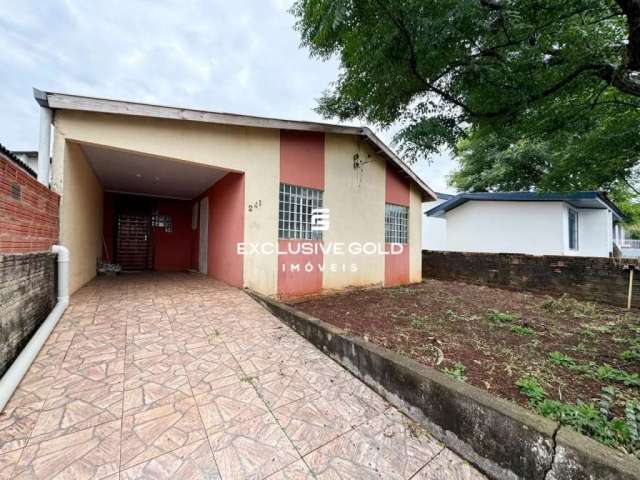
(178, 376)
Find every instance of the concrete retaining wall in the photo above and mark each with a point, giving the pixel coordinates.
(500, 438)
(588, 278)
(27, 295)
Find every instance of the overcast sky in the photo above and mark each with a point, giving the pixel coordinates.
(241, 56)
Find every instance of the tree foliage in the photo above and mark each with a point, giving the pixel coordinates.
(529, 94)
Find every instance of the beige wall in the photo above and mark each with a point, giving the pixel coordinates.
(356, 198)
(251, 150)
(80, 213)
(415, 234)
(356, 202)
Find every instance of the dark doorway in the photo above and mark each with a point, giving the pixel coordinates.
(133, 247)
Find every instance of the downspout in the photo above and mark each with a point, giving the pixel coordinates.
(44, 144)
(12, 377)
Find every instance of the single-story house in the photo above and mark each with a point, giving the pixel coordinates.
(282, 207)
(576, 224)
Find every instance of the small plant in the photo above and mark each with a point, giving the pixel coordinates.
(593, 420)
(521, 330)
(631, 355)
(530, 387)
(457, 372)
(501, 318)
(561, 360)
(608, 373)
(248, 379)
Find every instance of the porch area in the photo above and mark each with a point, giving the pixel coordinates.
(177, 375)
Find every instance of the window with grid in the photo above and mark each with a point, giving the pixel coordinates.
(161, 221)
(396, 221)
(573, 229)
(296, 205)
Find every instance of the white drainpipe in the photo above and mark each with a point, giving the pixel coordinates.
(44, 146)
(12, 377)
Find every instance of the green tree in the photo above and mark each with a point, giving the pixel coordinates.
(528, 93)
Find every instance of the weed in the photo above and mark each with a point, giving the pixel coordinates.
(605, 373)
(531, 388)
(248, 379)
(590, 419)
(457, 372)
(631, 355)
(520, 330)
(562, 360)
(567, 305)
(501, 318)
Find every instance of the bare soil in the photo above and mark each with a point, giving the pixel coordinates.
(441, 324)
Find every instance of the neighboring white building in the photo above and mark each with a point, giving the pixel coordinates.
(577, 224)
(434, 230)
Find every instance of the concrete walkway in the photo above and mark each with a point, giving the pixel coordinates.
(178, 376)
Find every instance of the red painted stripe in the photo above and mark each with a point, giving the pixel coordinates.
(302, 159)
(301, 164)
(397, 191)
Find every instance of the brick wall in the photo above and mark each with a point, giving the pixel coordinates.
(588, 278)
(28, 211)
(27, 295)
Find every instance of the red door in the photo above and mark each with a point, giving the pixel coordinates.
(133, 248)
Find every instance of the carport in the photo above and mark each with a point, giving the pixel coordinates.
(150, 213)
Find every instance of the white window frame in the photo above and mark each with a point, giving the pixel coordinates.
(572, 211)
(396, 223)
(294, 212)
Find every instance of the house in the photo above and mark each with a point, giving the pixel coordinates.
(578, 224)
(434, 230)
(28, 157)
(279, 206)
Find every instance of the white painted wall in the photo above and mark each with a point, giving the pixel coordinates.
(434, 230)
(536, 228)
(507, 227)
(594, 233)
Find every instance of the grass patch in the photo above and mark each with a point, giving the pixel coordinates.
(604, 372)
(501, 318)
(521, 330)
(567, 305)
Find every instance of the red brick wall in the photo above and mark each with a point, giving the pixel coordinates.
(30, 223)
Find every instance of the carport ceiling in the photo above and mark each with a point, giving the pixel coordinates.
(128, 172)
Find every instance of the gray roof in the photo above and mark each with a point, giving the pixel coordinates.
(589, 200)
(64, 101)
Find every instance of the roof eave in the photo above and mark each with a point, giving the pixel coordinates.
(64, 101)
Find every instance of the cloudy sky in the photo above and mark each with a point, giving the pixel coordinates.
(241, 56)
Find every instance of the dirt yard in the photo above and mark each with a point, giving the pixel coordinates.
(538, 351)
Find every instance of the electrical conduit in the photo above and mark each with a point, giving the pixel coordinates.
(12, 377)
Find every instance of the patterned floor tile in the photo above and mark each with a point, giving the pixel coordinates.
(389, 446)
(296, 471)
(36, 384)
(448, 466)
(16, 424)
(311, 422)
(252, 449)
(193, 371)
(77, 409)
(154, 381)
(355, 401)
(283, 386)
(193, 462)
(231, 400)
(205, 365)
(160, 430)
(8, 462)
(91, 453)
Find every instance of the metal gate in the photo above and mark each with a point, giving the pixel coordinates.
(133, 248)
